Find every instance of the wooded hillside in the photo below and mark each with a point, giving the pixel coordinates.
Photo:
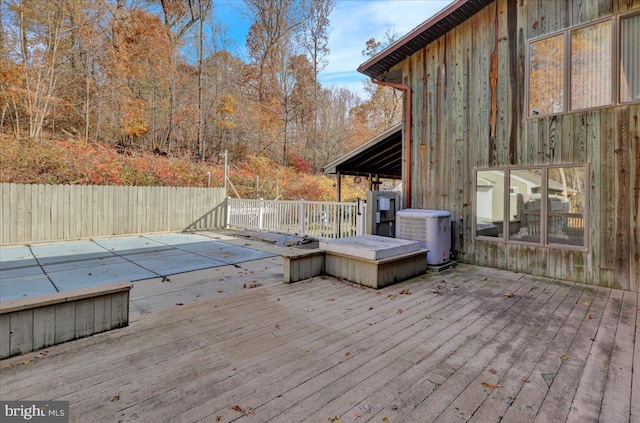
(160, 76)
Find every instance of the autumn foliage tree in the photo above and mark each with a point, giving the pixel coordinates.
(157, 80)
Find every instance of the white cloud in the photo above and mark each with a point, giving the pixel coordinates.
(354, 22)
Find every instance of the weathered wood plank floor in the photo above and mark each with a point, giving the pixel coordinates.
(470, 344)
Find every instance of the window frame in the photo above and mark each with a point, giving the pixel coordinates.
(616, 46)
(618, 51)
(544, 198)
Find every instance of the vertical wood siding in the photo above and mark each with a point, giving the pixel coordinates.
(468, 111)
(61, 212)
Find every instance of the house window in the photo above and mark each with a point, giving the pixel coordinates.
(591, 66)
(566, 205)
(546, 63)
(524, 208)
(544, 205)
(490, 203)
(575, 69)
(630, 58)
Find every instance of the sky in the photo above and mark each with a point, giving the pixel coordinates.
(352, 23)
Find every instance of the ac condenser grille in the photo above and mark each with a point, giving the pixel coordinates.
(413, 228)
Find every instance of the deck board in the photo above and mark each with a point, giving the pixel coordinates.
(323, 348)
(616, 404)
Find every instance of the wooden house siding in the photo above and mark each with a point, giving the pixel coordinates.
(468, 112)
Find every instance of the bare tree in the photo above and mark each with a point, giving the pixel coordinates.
(315, 42)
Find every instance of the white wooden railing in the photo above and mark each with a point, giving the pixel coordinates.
(313, 218)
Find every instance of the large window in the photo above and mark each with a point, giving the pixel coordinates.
(546, 59)
(544, 205)
(630, 58)
(591, 66)
(574, 69)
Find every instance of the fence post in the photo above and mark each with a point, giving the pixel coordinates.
(228, 217)
(360, 217)
(261, 214)
(302, 219)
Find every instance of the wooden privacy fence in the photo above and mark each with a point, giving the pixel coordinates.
(314, 218)
(62, 212)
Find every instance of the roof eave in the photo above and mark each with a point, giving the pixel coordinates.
(434, 27)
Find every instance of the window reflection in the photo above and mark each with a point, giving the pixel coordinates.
(566, 205)
(546, 59)
(591, 66)
(490, 203)
(525, 198)
(630, 58)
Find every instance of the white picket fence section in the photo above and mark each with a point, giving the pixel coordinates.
(313, 218)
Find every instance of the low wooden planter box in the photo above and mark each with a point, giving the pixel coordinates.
(376, 273)
(372, 273)
(33, 323)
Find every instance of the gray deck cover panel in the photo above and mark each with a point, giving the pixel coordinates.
(99, 275)
(176, 239)
(20, 272)
(179, 264)
(83, 264)
(26, 286)
(234, 254)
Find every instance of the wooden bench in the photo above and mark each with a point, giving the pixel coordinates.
(32, 323)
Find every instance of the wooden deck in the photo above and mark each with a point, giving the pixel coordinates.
(469, 344)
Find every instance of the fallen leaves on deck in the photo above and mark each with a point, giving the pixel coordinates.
(244, 411)
(391, 296)
(335, 419)
(331, 299)
(385, 419)
(588, 316)
(490, 385)
(347, 353)
(525, 380)
(508, 294)
(405, 292)
(564, 357)
(399, 311)
(443, 288)
(179, 304)
(115, 398)
(493, 371)
(587, 303)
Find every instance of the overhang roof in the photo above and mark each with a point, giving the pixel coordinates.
(380, 156)
(425, 33)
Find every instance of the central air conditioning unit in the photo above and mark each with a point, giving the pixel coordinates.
(432, 228)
